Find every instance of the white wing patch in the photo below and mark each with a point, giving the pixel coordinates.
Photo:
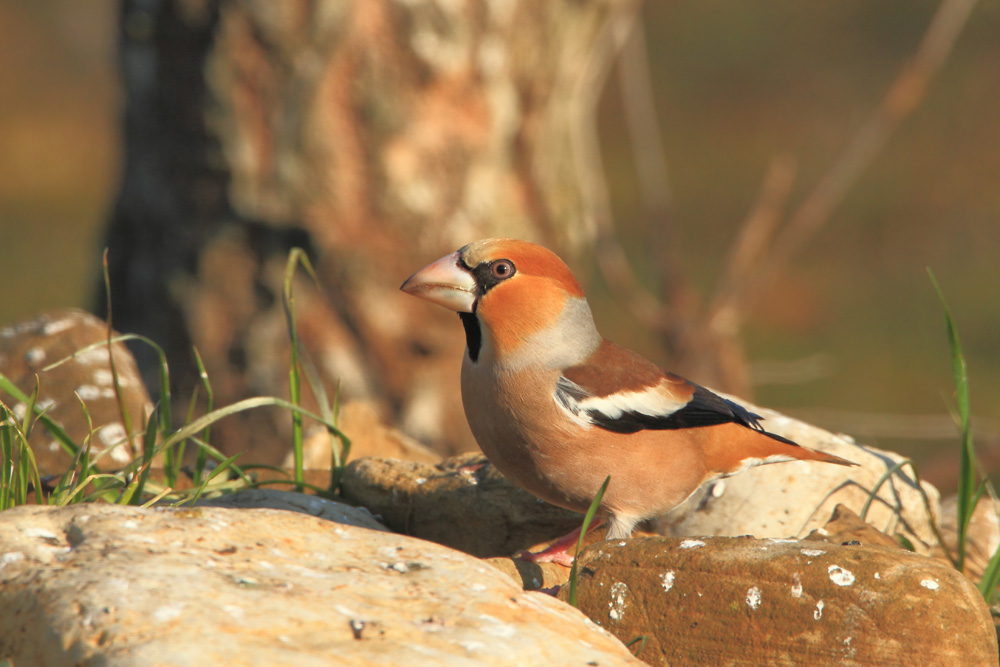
(566, 397)
(580, 404)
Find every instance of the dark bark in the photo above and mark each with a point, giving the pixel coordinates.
(379, 135)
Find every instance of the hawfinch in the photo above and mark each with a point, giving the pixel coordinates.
(557, 408)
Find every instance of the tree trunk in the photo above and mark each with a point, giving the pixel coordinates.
(378, 135)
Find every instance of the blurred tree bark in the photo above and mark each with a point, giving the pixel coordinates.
(376, 134)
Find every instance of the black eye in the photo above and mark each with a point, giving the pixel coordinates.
(502, 269)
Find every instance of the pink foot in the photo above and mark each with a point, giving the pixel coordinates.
(557, 552)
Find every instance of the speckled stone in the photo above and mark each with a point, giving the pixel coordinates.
(27, 348)
(111, 585)
(743, 601)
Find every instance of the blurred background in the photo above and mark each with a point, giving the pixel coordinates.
(852, 336)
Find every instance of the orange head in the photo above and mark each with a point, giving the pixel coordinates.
(515, 289)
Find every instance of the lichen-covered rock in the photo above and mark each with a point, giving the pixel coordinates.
(462, 502)
(846, 527)
(27, 348)
(112, 585)
(743, 601)
(792, 499)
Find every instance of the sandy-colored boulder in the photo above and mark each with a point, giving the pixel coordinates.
(462, 502)
(28, 347)
(743, 601)
(112, 585)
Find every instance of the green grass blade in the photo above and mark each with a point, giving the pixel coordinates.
(301, 365)
(161, 361)
(226, 463)
(217, 456)
(29, 412)
(173, 457)
(158, 497)
(148, 451)
(967, 463)
(202, 458)
(6, 460)
(84, 463)
(18, 467)
(29, 472)
(991, 575)
(935, 529)
(122, 410)
(99, 493)
(57, 431)
(991, 578)
(591, 511)
(340, 447)
(189, 430)
(79, 467)
(296, 257)
(642, 639)
(863, 515)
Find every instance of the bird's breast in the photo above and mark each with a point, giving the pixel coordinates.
(517, 423)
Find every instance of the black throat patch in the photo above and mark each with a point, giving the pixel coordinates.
(473, 334)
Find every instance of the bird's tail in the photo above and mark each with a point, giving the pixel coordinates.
(732, 448)
(806, 453)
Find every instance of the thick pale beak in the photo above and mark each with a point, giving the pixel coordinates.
(446, 283)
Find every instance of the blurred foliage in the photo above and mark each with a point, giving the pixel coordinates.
(736, 84)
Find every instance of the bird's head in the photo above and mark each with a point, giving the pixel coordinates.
(517, 290)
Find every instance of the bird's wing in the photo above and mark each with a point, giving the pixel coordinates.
(621, 391)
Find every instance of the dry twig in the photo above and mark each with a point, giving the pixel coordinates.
(904, 95)
(765, 245)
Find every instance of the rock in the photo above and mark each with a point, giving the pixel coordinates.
(743, 601)
(792, 499)
(115, 585)
(983, 535)
(275, 499)
(28, 347)
(369, 437)
(536, 576)
(463, 502)
(846, 527)
(533, 576)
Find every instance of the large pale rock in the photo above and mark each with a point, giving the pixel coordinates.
(27, 348)
(113, 585)
(462, 502)
(792, 499)
(983, 537)
(742, 601)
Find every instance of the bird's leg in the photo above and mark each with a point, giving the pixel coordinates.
(558, 551)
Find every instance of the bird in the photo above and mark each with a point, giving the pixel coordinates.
(557, 408)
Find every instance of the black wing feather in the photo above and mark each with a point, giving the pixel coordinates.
(704, 409)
